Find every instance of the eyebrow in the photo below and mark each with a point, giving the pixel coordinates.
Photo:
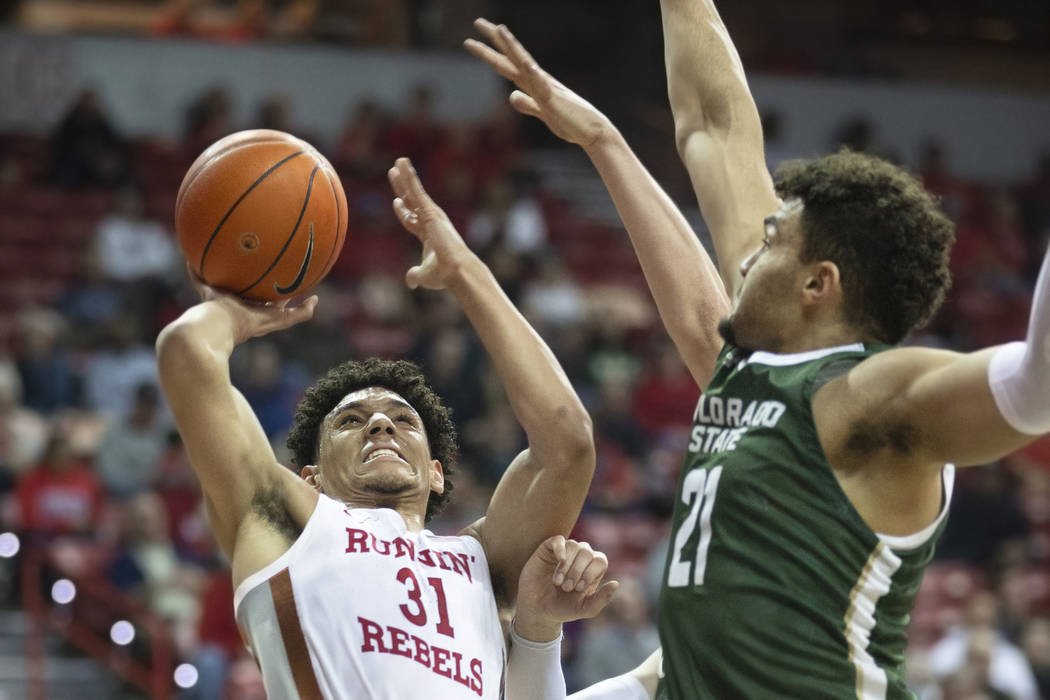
(385, 404)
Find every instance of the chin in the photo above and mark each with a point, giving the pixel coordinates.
(388, 484)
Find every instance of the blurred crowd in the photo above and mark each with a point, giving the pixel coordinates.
(93, 476)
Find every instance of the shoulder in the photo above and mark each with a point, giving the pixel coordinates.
(867, 409)
(886, 375)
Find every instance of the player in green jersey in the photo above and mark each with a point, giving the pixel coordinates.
(820, 465)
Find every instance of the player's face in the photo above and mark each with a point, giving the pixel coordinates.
(764, 310)
(374, 447)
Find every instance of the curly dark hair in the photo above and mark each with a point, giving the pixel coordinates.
(886, 233)
(404, 378)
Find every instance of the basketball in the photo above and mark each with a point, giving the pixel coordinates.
(261, 214)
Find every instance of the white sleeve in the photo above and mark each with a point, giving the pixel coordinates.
(534, 669)
(534, 673)
(1019, 373)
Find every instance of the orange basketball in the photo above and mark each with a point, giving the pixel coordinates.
(261, 214)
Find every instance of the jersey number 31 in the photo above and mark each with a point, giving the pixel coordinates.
(698, 491)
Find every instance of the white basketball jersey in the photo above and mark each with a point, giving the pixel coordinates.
(360, 607)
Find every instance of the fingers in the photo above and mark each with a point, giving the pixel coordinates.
(602, 597)
(413, 276)
(513, 49)
(497, 61)
(406, 184)
(293, 315)
(524, 104)
(586, 568)
(408, 218)
(510, 58)
(579, 568)
(557, 546)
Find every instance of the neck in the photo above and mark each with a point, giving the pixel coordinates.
(822, 335)
(410, 510)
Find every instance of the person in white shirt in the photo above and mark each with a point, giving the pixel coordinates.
(340, 590)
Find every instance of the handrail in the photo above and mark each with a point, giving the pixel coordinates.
(154, 678)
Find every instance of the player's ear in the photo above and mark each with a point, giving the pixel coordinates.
(822, 282)
(311, 474)
(437, 477)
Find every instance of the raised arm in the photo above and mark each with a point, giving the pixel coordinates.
(717, 130)
(685, 284)
(226, 445)
(965, 408)
(543, 490)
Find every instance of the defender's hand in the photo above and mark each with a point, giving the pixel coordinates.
(561, 582)
(444, 251)
(254, 319)
(539, 94)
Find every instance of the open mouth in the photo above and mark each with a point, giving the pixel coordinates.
(381, 453)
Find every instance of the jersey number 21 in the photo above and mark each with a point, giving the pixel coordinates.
(698, 491)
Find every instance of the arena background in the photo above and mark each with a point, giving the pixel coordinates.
(109, 583)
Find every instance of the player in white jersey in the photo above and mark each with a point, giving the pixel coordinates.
(340, 590)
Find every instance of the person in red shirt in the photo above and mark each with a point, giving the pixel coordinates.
(61, 495)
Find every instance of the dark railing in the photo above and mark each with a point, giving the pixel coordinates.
(86, 624)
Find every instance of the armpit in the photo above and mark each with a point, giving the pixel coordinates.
(867, 437)
(268, 505)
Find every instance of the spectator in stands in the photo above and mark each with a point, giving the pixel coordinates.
(128, 459)
(275, 112)
(451, 364)
(498, 142)
(131, 246)
(50, 380)
(552, 298)
(359, 150)
(219, 642)
(985, 515)
(147, 567)
(621, 637)
(666, 393)
(86, 149)
(113, 373)
(415, 131)
(23, 432)
(61, 495)
(510, 216)
(977, 654)
(90, 302)
(272, 387)
(180, 490)
(1035, 642)
(208, 118)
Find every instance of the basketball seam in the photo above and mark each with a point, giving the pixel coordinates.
(338, 226)
(188, 180)
(222, 222)
(306, 201)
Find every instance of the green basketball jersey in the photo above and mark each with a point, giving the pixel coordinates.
(774, 586)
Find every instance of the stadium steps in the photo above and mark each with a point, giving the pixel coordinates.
(65, 677)
(569, 173)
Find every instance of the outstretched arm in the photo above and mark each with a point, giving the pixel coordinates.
(543, 490)
(717, 130)
(966, 408)
(226, 445)
(684, 282)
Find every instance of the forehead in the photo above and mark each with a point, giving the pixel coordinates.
(371, 398)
